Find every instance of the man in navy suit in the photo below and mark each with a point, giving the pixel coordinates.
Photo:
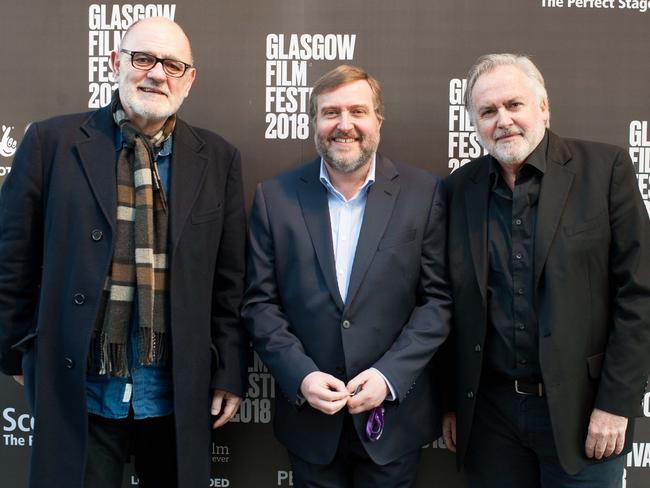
(347, 297)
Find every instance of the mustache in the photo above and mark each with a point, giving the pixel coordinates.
(500, 133)
(346, 135)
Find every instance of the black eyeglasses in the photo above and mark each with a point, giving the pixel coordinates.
(146, 61)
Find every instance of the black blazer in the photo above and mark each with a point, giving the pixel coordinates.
(59, 198)
(592, 288)
(395, 316)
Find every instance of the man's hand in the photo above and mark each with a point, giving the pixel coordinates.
(224, 404)
(20, 379)
(373, 391)
(606, 434)
(449, 430)
(324, 392)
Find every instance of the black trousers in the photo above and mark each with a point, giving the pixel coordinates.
(512, 446)
(353, 468)
(111, 442)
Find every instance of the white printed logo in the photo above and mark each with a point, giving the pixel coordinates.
(639, 150)
(7, 143)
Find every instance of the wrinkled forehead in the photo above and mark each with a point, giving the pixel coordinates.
(357, 92)
(158, 36)
(502, 82)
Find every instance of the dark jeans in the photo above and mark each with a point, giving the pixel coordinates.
(111, 442)
(512, 446)
(353, 468)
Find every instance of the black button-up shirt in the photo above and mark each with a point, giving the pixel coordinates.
(512, 335)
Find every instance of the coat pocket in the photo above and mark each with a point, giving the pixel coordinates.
(397, 239)
(199, 218)
(24, 344)
(595, 364)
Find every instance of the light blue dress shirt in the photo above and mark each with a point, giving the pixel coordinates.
(346, 217)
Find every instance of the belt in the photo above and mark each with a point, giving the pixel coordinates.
(520, 386)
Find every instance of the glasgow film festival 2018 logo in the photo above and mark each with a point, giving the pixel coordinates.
(463, 143)
(288, 59)
(640, 153)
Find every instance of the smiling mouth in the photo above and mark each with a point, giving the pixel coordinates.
(148, 89)
(507, 137)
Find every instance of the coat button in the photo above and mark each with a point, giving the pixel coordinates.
(470, 394)
(79, 298)
(339, 369)
(69, 363)
(346, 324)
(477, 348)
(96, 235)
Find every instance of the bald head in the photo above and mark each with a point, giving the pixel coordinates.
(159, 26)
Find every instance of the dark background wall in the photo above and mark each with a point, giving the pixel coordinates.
(252, 89)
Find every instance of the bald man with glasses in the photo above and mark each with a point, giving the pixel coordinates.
(122, 235)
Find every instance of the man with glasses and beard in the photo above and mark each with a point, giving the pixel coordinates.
(347, 297)
(122, 238)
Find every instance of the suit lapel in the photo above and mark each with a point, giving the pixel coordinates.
(315, 209)
(97, 155)
(552, 199)
(476, 208)
(187, 172)
(379, 209)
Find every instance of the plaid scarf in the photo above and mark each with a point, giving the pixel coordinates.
(139, 267)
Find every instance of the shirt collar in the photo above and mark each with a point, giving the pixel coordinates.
(325, 180)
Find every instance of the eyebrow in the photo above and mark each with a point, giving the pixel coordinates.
(338, 107)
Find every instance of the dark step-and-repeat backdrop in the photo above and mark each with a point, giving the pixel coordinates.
(257, 61)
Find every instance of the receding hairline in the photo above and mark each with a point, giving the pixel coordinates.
(147, 20)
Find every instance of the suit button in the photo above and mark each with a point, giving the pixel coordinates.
(79, 298)
(346, 324)
(470, 394)
(69, 363)
(477, 348)
(96, 235)
(339, 369)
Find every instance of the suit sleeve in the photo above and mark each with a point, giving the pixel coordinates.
(627, 362)
(429, 323)
(278, 347)
(21, 243)
(229, 340)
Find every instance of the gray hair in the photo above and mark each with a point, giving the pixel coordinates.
(488, 62)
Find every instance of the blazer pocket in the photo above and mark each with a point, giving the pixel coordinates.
(25, 343)
(397, 239)
(586, 228)
(595, 364)
(199, 218)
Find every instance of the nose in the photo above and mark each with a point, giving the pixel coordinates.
(157, 72)
(345, 121)
(503, 118)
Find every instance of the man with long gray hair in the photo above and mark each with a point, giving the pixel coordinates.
(549, 250)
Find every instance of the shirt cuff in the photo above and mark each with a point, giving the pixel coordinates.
(391, 396)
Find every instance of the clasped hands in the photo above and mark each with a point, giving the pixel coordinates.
(329, 394)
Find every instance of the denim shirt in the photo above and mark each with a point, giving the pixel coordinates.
(147, 389)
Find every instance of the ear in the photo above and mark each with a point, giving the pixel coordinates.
(191, 77)
(543, 107)
(115, 62)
